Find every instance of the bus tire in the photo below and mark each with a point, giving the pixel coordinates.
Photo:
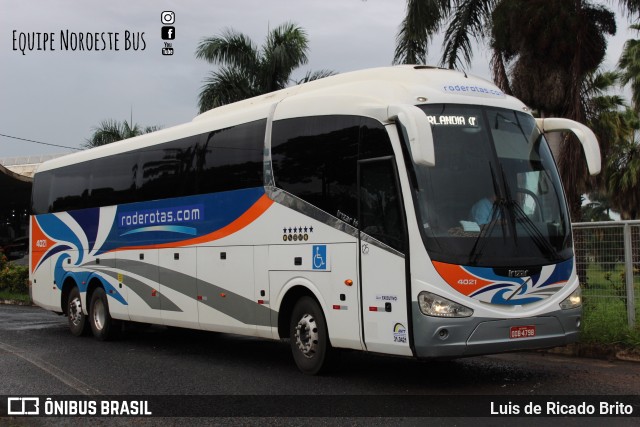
(309, 338)
(78, 324)
(103, 326)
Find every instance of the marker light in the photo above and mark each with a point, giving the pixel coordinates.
(435, 305)
(572, 301)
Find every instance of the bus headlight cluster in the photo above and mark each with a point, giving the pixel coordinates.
(435, 305)
(572, 301)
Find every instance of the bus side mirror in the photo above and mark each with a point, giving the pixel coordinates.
(585, 135)
(416, 130)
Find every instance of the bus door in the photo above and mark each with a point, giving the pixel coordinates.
(383, 244)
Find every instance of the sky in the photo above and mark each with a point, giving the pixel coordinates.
(58, 95)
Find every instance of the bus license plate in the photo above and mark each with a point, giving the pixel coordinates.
(522, 332)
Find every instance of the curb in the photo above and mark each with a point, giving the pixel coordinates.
(628, 356)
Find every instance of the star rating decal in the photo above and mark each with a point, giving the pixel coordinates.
(296, 234)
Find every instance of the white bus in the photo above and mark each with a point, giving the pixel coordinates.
(407, 210)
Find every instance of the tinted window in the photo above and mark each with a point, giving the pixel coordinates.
(112, 180)
(232, 158)
(381, 214)
(494, 197)
(315, 159)
(374, 140)
(167, 170)
(223, 160)
(70, 187)
(40, 193)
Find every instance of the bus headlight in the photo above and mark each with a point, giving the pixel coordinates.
(435, 305)
(572, 301)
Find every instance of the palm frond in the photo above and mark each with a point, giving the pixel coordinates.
(111, 130)
(315, 75)
(106, 132)
(470, 20)
(231, 48)
(629, 65)
(150, 129)
(632, 7)
(284, 51)
(499, 71)
(225, 86)
(423, 19)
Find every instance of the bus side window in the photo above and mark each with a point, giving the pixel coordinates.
(315, 159)
(231, 158)
(380, 203)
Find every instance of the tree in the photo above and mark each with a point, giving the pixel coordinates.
(110, 130)
(466, 22)
(623, 174)
(246, 70)
(623, 169)
(596, 210)
(572, 35)
(629, 65)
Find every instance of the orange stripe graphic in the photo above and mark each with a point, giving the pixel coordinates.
(459, 279)
(40, 243)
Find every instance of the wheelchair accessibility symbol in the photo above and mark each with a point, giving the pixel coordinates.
(319, 257)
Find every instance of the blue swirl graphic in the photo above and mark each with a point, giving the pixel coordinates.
(59, 231)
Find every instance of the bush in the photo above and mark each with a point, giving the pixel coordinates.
(13, 278)
(605, 322)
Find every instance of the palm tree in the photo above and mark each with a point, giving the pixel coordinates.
(110, 130)
(629, 65)
(466, 22)
(572, 36)
(623, 177)
(616, 125)
(623, 169)
(246, 70)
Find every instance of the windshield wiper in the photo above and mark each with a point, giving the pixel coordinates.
(479, 244)
(538, 238)
(499, 203)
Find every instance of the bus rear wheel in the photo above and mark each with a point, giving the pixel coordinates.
(103, 326)
(309, 337)
(77, 319)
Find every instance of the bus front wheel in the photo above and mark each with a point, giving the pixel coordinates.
(309, 338)
(103, 326)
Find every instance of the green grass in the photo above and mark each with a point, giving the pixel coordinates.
(604, 312)
(14, 296)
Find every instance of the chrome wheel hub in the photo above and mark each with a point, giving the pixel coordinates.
(307, 335)
(99, 315)
(75, 311)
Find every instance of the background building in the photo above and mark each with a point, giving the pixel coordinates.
(16, 177)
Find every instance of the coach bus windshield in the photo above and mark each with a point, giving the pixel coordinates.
(494, 197)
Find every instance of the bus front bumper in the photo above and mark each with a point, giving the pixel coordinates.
(460, 337)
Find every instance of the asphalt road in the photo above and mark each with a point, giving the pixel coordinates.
(38, 356)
